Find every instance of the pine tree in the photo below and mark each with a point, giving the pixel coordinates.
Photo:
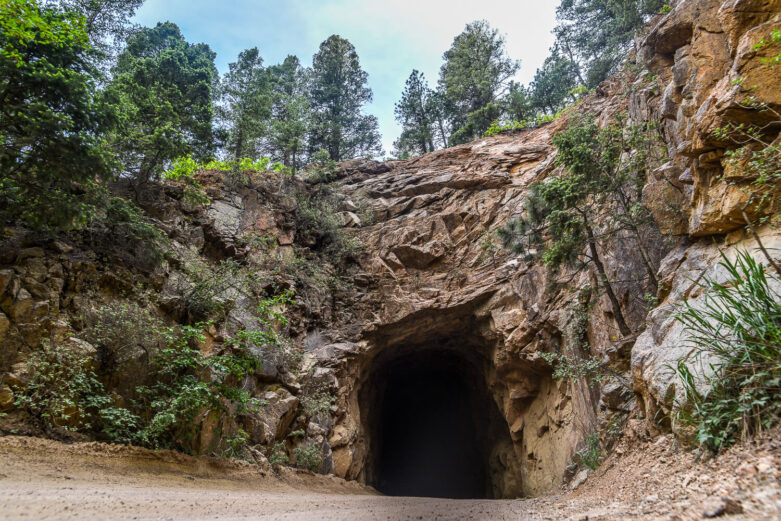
(51, 122)
(553, 82)
(246, 104)
(162, 90)
(597, 34)
(337, 94)
(290, 112)
(475, 74)
(415, 112)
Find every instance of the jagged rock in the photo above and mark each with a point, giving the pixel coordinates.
(273, 419)
(6, 398)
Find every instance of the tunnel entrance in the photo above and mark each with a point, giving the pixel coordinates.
(432, 425)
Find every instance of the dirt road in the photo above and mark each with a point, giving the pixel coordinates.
(46, 480)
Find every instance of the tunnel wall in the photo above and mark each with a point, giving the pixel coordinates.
(538, 423)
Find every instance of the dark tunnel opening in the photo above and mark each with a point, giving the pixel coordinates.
(432, 424)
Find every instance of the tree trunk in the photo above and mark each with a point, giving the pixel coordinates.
(617, 313)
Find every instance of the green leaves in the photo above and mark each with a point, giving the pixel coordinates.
(475, 71)
(735, 329)
(51, 123)
(162, 90)
(338, 91)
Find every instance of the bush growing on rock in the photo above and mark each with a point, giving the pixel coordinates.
(62, 391)
(735, 329)
(309, 457)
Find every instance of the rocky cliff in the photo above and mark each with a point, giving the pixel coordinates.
(431, 288)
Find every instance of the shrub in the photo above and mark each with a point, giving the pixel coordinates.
(322, 168)
(575, 367)
(736, 330)
(236, 445)
(189, 384)
(278, 455)
(63, 392)
(118, 330)
(317, 402)
(590, 455)
(203, 293)
(309, 457)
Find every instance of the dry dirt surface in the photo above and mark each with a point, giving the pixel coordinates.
(44, 480)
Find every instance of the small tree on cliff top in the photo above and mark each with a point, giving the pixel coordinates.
(561, 214)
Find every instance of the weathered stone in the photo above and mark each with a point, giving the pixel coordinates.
(6, 398)
(29, 253)
(273, 419)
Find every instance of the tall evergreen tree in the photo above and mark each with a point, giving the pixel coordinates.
(50, 120)
(107, 22)
(290, 112)
(338, 91)
(550, 90)
(416, 114)
(598, 33)
(162, 89)
(517, 104)
(475, 73)
(246, 104)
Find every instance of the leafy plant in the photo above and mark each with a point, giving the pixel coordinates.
(278, 455)
(236, 445)
(735, 329)
(62, 391)
(309, 457)
(576, 367)
(181, 393)
(118, 330)
(317, 402)
(590, 456)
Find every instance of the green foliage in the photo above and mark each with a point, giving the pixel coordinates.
(590, 456)
(576, 367)
(50, 120)
(497, 128)
(553, 83)
(119, 330)
(321, 169)
(320, 227)
(597, 34)
(125, 220)
(774, 38)
(62, 391)
(291, 115)
(107, 22)
(203, 292)
(600, 183)
(338, 91)
(246, 97)
(309, 457)
(476, 124)
(236, 445)
(161, 91)
(278, 454)
(317, 402)
(475, 71)
(179, 394)
(416, 112)
(735, 330)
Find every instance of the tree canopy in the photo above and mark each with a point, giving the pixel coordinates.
(162, 89)
(476, 70)
(51, 122)
(338, 92)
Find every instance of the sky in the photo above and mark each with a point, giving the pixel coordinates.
(391, 37)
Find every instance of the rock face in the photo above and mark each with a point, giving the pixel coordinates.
(434, 291)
